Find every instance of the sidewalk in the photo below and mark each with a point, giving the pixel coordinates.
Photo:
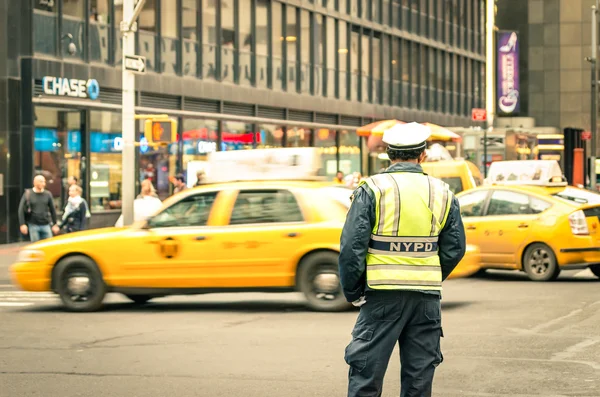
(11, 249)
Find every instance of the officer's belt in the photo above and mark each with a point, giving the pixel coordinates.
(416, 247)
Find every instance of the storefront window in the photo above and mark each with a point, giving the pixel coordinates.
(106, 145)
(57, 149)
(297, 137)
(99, 30)
(158, 164)
(200, 138)
(349, 152)
(237, 135)
(169, 51)
(189, 17)
(73, 28)
(269, 136)
(45, 26)
(147, 34)
(325, 141)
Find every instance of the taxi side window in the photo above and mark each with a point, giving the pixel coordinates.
(265, 206)
(512, 203)
(472, 204)
(190, 211)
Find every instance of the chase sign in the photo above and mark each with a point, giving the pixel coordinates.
(88, 89)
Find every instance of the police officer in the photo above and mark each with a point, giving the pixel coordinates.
(403, 236)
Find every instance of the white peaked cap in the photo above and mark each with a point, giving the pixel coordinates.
(409, 136)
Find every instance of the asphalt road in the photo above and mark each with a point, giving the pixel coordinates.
(504, 336)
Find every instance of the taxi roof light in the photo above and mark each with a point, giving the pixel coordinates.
(300, 164)
(526, 172)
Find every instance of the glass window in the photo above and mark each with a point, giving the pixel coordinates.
(579, 196)
(343, 59)
(189, 17)
(349, 152)
(405, 62)
(266, 206)
(237, 135)
(57, 149)
(472, 204)
(305, 51)
(325, 141)
(169, 37)
(45, 26)
(376, 11)
(278, 47)
(117, 33)
(73, 29)
(99, 31)
(245, 43)
(538, 205)
(508, 203)
(262, 43)
(269, 136)
(354, 64)
(291, 39)
(365, 67)
(147, 34)
(105, 160)
(200, 138)
(209, 39)
(386, 65)
(455, 184)
(297, 137)
(376, 72)
(190, 211)
(329, 36)
(228, 40)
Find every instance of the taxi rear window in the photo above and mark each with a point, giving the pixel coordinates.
(578, 196)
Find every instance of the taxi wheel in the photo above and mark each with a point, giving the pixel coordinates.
(139, 299)
(596, 270)
(79, 284)
(539, 262)
(319, 281)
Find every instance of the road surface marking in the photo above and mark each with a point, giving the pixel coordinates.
(555, 321)
(13, 304)
(573, 350)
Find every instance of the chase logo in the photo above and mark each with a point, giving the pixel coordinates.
(93, 89)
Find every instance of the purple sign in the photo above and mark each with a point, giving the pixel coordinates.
(508, 73)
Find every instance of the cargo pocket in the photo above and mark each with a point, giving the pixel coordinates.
(440, 356)
(358, 350)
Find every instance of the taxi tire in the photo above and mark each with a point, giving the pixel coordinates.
(309, 266)
(596, 270)
(553, 268)
(85, 265)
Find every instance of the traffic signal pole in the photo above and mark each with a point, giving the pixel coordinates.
(128, 29)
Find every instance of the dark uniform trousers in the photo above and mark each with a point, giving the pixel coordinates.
(411, 319)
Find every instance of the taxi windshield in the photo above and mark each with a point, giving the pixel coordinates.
(579, 196)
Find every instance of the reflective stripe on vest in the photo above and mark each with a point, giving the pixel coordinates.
(410, 211)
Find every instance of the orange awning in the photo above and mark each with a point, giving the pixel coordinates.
(377, 127)
(439, 133)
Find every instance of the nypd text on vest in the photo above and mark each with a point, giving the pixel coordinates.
(71, 87)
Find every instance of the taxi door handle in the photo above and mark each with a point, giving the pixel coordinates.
(200, 238)
(523, 225)
(471, 227)
(292, 234)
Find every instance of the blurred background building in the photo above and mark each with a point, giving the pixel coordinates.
(239, 74)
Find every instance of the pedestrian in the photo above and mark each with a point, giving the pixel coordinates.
(76, 212)
(37, 215)
(200, 175)
(179, 183)
(145, 205)
(339, 178)
(72, 180)
(403, 236)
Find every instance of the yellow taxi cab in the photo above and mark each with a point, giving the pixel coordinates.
(460, 175)
(527, 218)
(253, 234)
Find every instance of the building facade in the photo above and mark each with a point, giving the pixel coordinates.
(237, 74)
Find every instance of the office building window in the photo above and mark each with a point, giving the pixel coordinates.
(262, 43)
(365, 90)
(100, 31)
(386, 69)
(228, 41)
(305, 58)
(355, 65)
(169, 45)
(209, 39)
(319, 38)
(423, 81)
(406, 72)
(45, 27)
(397, 63)
(415, 74)
(147, 34)
(246, 55)
(73, 29)
(189, 19)
(278, 42)
(376, 71)
(291, 43)
(329, 35)
(343, 60)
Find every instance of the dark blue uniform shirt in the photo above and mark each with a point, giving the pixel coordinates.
(357, 232)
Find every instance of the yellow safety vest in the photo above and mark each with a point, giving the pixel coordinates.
(411, 209)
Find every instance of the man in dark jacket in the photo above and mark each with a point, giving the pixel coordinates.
(399, 243)
(37, 215)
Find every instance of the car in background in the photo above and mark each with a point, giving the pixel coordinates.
(460, 175)
(527, 218)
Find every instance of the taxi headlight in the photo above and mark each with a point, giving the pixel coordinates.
(30, 256)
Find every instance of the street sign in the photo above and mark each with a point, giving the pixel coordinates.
(586, 135)
(478, 114)
(135, 63)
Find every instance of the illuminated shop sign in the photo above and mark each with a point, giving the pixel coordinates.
(59, 86)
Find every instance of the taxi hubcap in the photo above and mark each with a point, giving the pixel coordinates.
(79, 286)
(539, 261)
(326, 284)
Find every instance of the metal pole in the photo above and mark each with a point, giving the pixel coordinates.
(594, 103)
(128, 116)
(490, 75)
